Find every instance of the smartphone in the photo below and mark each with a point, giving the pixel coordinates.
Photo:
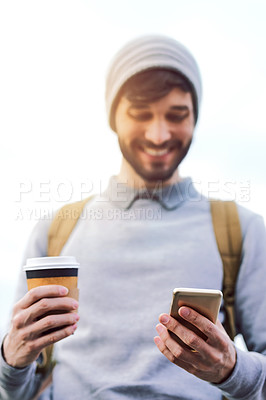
(205, 301)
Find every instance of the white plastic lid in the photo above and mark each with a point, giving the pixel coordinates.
(51, 262)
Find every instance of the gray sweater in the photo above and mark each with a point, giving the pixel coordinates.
(133, 251)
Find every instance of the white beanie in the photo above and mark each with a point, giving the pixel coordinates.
(146, 52)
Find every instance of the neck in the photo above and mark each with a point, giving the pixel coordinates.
(128, 175)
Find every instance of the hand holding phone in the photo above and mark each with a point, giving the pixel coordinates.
(205, 301)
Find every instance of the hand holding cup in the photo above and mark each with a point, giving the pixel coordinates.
(46, 314)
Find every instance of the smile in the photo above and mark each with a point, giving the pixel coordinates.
(156, 153)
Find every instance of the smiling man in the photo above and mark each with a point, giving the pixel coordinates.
(129, 266)
(155, 136)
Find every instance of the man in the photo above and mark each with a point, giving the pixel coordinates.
(130, 262)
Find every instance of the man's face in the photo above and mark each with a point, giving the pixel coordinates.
(154, 138)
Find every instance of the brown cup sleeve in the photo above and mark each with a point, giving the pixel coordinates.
(74, 293)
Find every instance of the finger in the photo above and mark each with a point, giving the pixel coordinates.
(177, 351)
(192, 339)
(56, 336)
(37, 345)
(45, 325)
(216, 335)
(201, 322)
(43, 307)
(40, 292)
(52, 306)
(193, 363)
(183, 363)
(163, 349)
(167, 353)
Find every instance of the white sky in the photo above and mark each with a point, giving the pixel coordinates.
(53, 60)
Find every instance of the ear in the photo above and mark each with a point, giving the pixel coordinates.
(112, 116)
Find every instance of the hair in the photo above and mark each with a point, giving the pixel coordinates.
(151, 85)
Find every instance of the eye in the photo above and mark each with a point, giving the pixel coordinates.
(173, 117)
(140, 116)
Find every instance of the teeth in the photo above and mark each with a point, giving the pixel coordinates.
(153, 152)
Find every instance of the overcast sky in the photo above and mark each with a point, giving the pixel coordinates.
(55, 139)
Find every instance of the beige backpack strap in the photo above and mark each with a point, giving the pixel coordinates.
(59, 232)
(228, 234)
(62, 226)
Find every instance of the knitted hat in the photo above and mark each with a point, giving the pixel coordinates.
(151, 51)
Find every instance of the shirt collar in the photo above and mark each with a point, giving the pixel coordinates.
(170, 197)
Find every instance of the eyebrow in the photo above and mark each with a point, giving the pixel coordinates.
(179, 108)
(143, 106)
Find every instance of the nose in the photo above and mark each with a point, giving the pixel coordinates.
(158, 132)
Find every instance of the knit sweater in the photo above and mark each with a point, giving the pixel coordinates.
(134, 248)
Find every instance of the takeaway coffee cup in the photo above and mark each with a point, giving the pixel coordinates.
(62, 270)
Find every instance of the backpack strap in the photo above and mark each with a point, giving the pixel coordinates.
(60, 229)
(228, 235)
(62, 225)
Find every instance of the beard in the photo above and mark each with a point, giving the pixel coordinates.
(158, 170)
